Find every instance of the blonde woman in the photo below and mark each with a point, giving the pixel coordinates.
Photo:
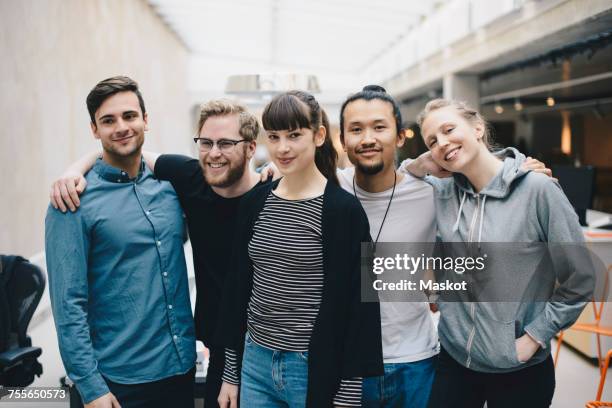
(487, 356)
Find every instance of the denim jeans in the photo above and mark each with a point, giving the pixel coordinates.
(404, 385)
(273, 378)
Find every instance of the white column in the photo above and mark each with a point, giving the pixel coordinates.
(462, 87)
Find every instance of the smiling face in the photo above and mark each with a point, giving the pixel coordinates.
(120, 125)
(293, 151)
(222, 169)
(370, 135)
(454, 141)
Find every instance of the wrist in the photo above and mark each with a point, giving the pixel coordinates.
(533, 340)
(416, 168)
(72, 171)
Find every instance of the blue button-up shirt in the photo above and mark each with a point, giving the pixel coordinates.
(118, 282)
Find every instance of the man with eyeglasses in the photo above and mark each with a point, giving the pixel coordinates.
(209, 190)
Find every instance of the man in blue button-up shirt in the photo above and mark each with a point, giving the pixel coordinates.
(117, 273)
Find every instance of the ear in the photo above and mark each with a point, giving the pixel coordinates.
(94, 130)
(319, 136)
(401, 138)
(342, 142)
(145, 118)
(251, 147)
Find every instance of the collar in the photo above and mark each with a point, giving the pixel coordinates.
(115, 175)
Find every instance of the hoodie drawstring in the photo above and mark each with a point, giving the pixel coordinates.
(456, 226)
(484, 200)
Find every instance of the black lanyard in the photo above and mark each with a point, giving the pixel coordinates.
(388, 206)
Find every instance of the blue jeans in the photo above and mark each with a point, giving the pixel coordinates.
(404, 385)
(272, 378)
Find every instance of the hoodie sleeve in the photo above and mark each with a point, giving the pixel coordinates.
(571, 262)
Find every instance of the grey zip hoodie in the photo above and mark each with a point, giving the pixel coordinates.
(525, 210)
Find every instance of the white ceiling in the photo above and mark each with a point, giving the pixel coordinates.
(337, 35)
(333, 38)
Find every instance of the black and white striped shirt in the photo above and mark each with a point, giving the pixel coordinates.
(287, 254)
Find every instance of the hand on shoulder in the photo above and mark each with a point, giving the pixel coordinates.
(66, 190)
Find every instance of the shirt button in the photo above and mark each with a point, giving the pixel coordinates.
(158, 243)
(170, 307)
(165, 273)
(148, 212)
(175, 337)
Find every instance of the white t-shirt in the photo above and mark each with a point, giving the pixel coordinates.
(408, 330)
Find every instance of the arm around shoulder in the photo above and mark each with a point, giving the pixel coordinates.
(423, 166)
(66, 190)
(150, 159)
(183, 172)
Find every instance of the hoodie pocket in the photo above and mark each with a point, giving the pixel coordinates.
(494, 345)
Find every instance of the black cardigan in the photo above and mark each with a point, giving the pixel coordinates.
(346, 337)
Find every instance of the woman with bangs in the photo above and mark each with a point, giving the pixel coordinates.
(295, 321)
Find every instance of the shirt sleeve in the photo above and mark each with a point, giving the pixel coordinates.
(183, 172)
(433, 181)
(349, 393)
(67, 247)
(230, 369)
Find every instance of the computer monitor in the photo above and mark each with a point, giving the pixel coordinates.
(578, 184)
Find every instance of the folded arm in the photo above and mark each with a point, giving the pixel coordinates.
(425, 165)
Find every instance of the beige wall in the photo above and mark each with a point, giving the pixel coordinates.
(53, 52)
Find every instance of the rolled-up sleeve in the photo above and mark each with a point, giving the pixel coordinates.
(67, 248)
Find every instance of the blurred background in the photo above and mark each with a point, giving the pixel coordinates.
(540, 71)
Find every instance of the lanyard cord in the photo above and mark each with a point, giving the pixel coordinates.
(388, 206)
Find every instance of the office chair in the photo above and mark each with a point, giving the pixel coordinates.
(21, 287)
(598, 327)
(598, 402)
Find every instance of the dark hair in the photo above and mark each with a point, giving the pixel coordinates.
(107, 88)
(297, 110)
(368, 93)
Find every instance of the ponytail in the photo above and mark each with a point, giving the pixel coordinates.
(326, 156)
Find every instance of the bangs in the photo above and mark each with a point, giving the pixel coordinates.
(285, 112)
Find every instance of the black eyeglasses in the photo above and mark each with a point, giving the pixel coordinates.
(224, 145)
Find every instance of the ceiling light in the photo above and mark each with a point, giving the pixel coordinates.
(270, 84)
(498, 108)
(550, 101)
(518, 106)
